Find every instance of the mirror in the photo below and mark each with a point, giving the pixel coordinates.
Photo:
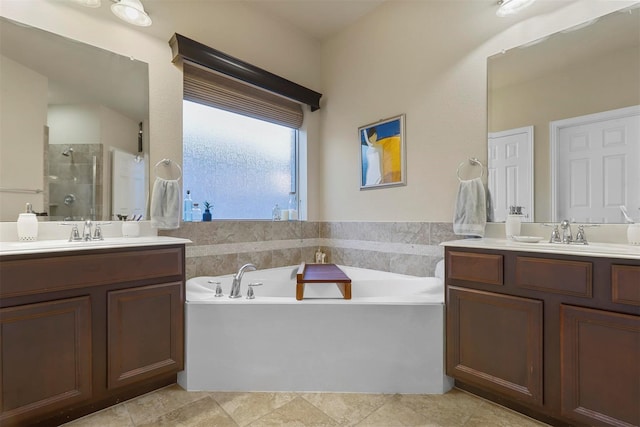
(68, 110)
(537, 90)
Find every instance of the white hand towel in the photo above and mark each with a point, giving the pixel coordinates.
(165, 204)
(470, 216)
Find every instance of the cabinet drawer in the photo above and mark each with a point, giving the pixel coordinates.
(482, 268)
(49, 274)
(625, 284)
(556, 276)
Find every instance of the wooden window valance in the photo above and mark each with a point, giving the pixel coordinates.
(214, 78)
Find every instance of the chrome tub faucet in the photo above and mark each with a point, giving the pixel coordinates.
(237, 280)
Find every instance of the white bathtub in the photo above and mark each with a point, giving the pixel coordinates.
(389, 338)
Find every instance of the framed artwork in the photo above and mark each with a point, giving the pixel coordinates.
(382, 153)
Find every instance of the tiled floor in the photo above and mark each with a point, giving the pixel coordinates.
(172, 406)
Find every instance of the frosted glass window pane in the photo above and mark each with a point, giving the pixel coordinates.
(243, 166)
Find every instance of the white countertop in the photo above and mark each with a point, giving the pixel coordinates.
(54, 246)
(606, 250)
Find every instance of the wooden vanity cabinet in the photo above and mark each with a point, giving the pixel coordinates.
(80, 331)
(556, 337)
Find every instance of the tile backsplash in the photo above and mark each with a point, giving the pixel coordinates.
(220, 247)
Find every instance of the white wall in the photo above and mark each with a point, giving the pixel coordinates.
(231, 27)
(23, 116)
(426, 59)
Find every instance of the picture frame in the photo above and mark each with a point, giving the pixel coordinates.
(383, 153)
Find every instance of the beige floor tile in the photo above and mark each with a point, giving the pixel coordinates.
(489, 414)
(395, 414)
(245, 408)
(160, 402)
(204, 412)
(297, 413)
(451, 409)
(115, 416)
(347, 409)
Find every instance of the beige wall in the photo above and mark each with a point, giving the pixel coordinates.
(426, 59)
(23, 116)
(232, 27)
(611, 81)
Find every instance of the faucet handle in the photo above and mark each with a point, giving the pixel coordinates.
(75, 234)
(218, 287)
(250, 293)
(555, 235)
(581, 238)
(97, 233)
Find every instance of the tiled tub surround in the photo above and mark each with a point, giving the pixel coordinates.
(220, 247)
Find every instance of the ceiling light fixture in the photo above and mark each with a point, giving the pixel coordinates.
(131, 11)
(510, 7)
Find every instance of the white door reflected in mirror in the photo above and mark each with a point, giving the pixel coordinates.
(511, 173)
(596, 166)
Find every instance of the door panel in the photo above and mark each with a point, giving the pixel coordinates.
(494, 341)
(597, 168)
(145, 333)
(510, 167)
(45, 357)
(600, 366)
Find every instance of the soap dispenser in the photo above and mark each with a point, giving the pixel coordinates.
(27, 225)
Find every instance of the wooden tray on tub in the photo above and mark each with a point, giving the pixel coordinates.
(322, 273)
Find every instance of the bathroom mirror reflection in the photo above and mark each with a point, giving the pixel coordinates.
(566, 95)
(73, 130)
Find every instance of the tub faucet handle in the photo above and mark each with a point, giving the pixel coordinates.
(218, 287)
(250, 293)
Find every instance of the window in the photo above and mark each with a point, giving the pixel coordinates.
(242, 165)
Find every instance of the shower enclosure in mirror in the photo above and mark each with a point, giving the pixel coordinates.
(67, 107)
(563, 93)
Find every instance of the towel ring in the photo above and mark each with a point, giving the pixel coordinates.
(168, 163)
(473, 161)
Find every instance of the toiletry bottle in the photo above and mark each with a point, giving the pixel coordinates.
(27, 225)
(513, 223)
(196, 213)
(275, 213)
(293, 206)
(188, 206)
(318, 256)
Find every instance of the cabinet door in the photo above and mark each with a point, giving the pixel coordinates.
(145, 333)
(600, 366)
(494, 341)
(45, 358)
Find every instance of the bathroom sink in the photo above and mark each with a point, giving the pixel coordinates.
(8, 248)
(53, 244)
(591, 248)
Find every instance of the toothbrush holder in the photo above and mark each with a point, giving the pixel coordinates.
(130, 229)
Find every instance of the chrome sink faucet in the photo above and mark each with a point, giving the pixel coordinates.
(237, 280)
(86, 231)
(566, 236)
(566, 231)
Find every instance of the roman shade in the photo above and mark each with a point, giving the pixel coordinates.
(214, 78)
(219, 91)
